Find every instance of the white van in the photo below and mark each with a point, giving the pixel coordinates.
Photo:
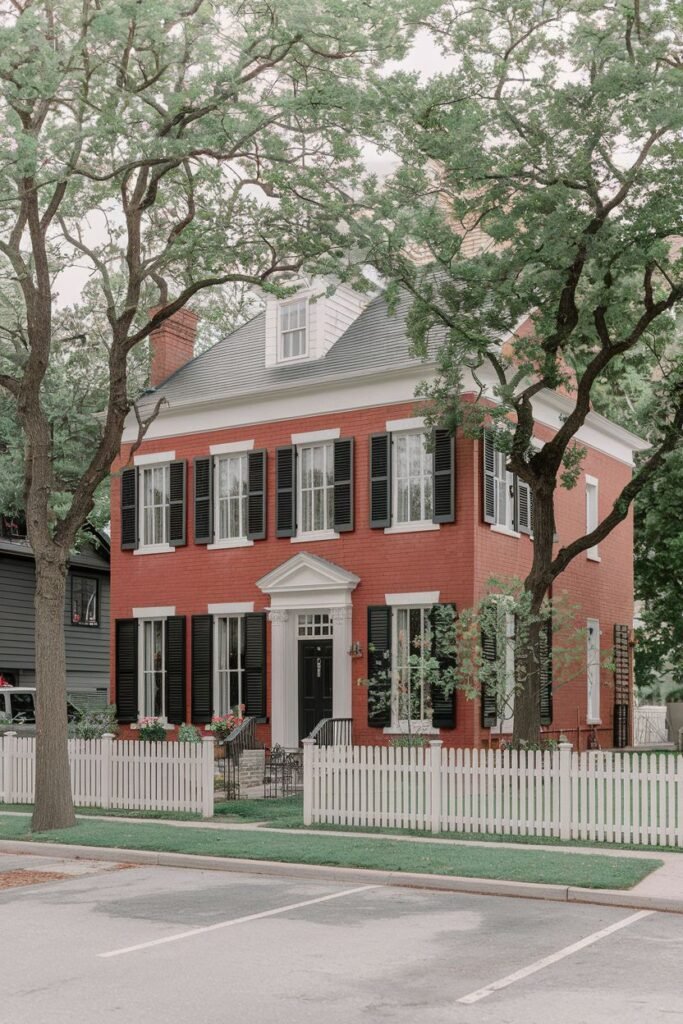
(18, 709)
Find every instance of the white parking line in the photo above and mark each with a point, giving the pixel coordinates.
(495, 986)
(235, 921)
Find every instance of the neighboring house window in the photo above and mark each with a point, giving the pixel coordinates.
(293, 341)
(316, 488)
(152, 699)
(229, 661)
(410, 699)
(154, 506)
(412, 478)
(84, 601)
(232, 495)
(592, 514)
(593, 669)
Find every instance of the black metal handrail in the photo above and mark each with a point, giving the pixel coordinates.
(242, 737)
(333, 732)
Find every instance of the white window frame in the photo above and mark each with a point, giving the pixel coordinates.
(316, 625)
(593, 672)
(151, 619)
(592, 514)
(327, 532)
(281, 332)
(143, 465)
(240, 670)
(505, 496)
(399, 725)
(241, 540)
(425, 522)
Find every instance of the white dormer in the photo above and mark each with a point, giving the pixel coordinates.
(305, 325)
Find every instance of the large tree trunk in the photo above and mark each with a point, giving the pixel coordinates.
(527, 717)
(54, 803)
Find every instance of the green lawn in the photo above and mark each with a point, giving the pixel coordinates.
(587, 870)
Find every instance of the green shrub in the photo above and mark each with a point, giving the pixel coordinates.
(189, 734)
(92, 725)
(409, 740)
(152, 729)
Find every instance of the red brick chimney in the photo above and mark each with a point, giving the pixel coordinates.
(171, 345)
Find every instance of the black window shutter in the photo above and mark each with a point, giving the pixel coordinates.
(285, 487)
(489, 477)
(489, 708)
(256, 514)
(443, 704)
(203, 500)
(380, 480)
(175, 669)
(255, 664)
(443, 477)
(176, 507)
(379, 665)
(622, 684)
(522, 506)
(129, 509)
(546, 667)
(343, 485)
(202, 669)
(127, 670)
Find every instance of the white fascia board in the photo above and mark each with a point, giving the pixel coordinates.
(231, 447)
(231, 608)
(152, 458)
(418, 597)
(317, 435)
(412, 423)
(163, 612)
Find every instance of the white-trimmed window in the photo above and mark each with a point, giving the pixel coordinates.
(314, 624)
(232, 496)
(152, 675)
(293, 330)
(316, 488)
(593, 669)
(154, 505)
(505, 493)
(229, 647)
(411, 638)
(592, 514)
(412, 478)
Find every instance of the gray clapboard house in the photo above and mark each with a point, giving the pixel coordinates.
(86, 616)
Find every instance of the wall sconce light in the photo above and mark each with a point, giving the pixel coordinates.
(356, 651)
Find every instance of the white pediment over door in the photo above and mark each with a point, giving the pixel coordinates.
(307, 580)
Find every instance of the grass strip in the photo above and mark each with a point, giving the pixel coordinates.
(590, 871)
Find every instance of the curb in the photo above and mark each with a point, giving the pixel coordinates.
(325, 873)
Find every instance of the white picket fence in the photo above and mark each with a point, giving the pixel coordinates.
(130, 774)
(598, 795)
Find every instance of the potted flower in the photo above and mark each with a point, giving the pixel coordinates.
(222, 725)
(151, 729)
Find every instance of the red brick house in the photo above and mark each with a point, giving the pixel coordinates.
(283, 525)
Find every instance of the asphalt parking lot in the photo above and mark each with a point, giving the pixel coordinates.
(149, 944)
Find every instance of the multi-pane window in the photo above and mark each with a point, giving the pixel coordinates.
(154, 488)
(316, 488)
(412, 478)
(314, 624)
(593, 669)
(229, 661)
(412, 645)
(293, 329)
(505, 506)
(232, 495)
(153, 674)
(84, 601)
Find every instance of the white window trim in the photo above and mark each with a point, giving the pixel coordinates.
(299, 297)
(411, 425)
(154, 549)
(424, 526)
(302, 537)
(149, 617)
(230, 542)
(593, 554)
(153, 458)
(219, 543)
(590, 720)
(215, 692)
(417, 728)
(422, 597)
(162, 612)
(231, 448)
(505, 530)
(313, 436)
(231, 608)
(423, 726)
(306, 538)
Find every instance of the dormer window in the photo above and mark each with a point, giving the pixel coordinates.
(293, 339)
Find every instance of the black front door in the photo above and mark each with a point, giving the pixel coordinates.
(315, 683)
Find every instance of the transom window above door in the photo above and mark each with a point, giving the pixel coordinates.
(232, 496)
(316, 488)
(314, 624)
(412, 478)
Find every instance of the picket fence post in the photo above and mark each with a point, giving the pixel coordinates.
(436, 775)
(207, 776)
(107, 749)
(8, 753)
(308, 745)
(565, 789)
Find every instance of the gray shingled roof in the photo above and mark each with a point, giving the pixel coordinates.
(236, 366)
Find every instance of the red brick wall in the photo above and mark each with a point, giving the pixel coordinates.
(456, 560)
